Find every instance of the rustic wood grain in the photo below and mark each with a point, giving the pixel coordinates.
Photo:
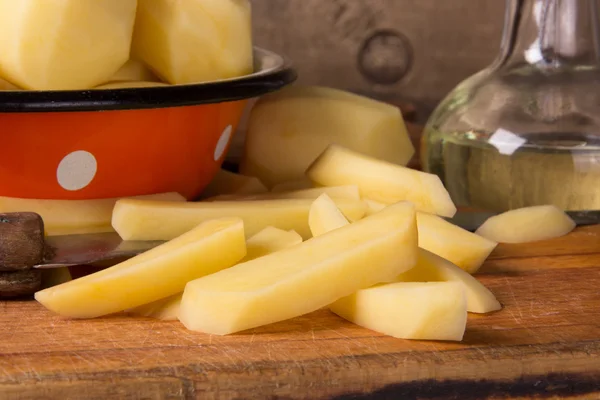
(440, 43)
(544, 343)
(19, 283)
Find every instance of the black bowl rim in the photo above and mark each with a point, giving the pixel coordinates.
(263, 81)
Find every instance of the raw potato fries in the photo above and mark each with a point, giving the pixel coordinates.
(153, 275)
(461, 247)
(433, 268)
(70, 217)
(324, 216)
(299, 279)
(155, 220)
(267, 241)
(409, 310)
(381, 181)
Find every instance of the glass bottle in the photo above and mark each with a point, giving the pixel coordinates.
(526, 130)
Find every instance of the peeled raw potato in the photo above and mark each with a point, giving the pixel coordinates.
(381, 181)
(267, 241)
(324, 216)
(409, 310)
(66, 44)
(433, 268)
(191, 41)
(291, 186)
(289, 129)
(227, 183)
(7, 86)
(70, 217)
(134, 71)
(129, 85)
(350, 192)
(457, 245)
(153, 275)
(156, 220)
(303, 278)
(528, 224)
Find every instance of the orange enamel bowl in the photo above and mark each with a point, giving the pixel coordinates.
(124, 142)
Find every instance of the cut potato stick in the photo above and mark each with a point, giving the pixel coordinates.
(153, 275)
(267, 241)
(70, 217)
(528, 224)
(229, 183)
(298, 280)
(337, 192)
(429, 267)
(433, 268)
(457, 245)
(409, 310)
(166, 309)
(381, 181)
(152, 220)
(373, 206)
(324, 216)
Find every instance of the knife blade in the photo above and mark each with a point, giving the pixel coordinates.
(472, 220)
(98, 249)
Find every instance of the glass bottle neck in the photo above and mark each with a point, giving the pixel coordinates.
(551, 34)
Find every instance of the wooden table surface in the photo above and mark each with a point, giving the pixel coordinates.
(545, 342)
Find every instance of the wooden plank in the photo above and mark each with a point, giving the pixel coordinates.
(546, 341)
(436, 43)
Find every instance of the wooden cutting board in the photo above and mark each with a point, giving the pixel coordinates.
(545, 342)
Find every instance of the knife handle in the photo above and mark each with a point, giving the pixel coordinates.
(22, 243)
(20, 283)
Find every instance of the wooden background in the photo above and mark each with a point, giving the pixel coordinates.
(415, 50)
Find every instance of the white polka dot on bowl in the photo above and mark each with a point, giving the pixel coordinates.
(223, 142)
(76, 170)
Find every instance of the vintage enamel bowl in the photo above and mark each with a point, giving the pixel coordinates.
(124, 142)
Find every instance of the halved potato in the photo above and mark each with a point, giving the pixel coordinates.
(66, 44)
(381, 181)
(71, 217)
(153, 275)
(156, 220)
(305, 277)
(528, 224)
